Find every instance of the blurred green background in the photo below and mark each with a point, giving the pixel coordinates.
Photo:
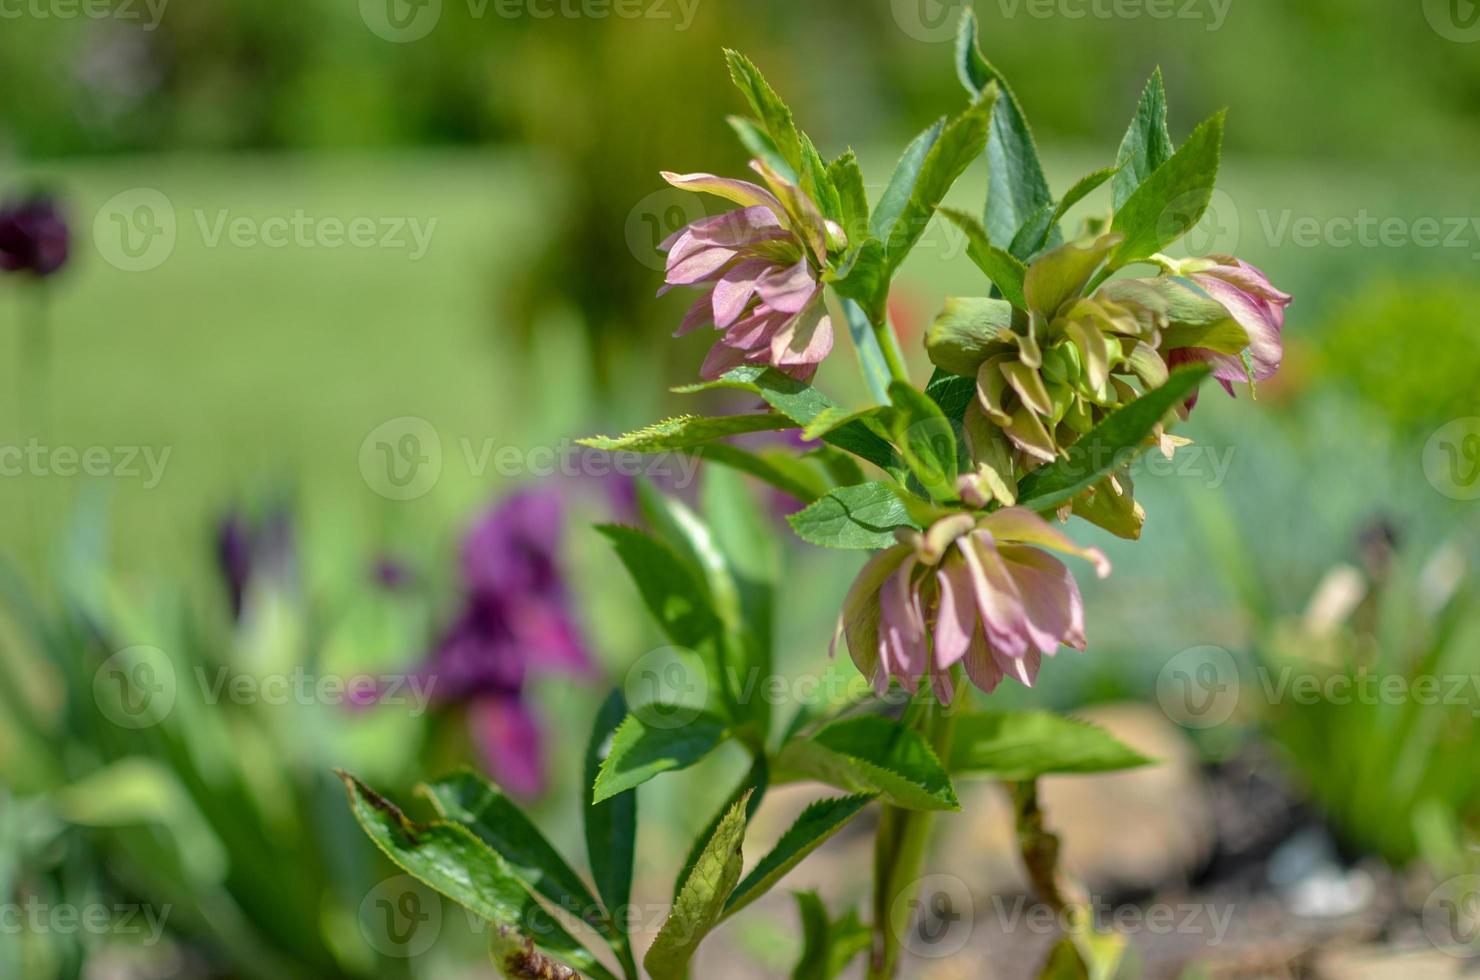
(501, 161)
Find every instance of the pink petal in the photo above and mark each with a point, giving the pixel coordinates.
(1261, 319)
(807, 338)
(955, 619)
(789, 289)
(981, 667)
(1001, 608)
(1021, 526)
(721, 358)
(742, 192)
(1055, 611)
(700, 313)
(860, 616)
(902, 625)
(735, 288)
(700, 266)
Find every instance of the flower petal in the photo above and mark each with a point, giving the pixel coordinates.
(997, 601)
(742, 192)
(1018, 525)
(1051, 599)
(860, 617)
(511, 744)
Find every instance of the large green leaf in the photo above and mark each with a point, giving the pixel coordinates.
(817, 823)
(901, 184)
(671, 587)
(960, 143)
(1023, 745)
(1109, 445)
(1147, 143)
(774, 115)
(1016, 186)
(926, 438)
(872, 754)
(1006, 270)
(801, 403)
(611, 825)
(701, 899)
(1172, 200)
(688, 431)
(472, 801)
(640, 751)
(448, 858)
(863, 516)
(780, 468)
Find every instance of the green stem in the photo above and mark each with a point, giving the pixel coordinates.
(889, 344)
(1040, 851)
(900, 848)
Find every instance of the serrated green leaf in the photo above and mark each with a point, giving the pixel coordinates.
(1109, 445)
(774, 114)
(863, 516)
(1147, 143)
(672, 588)
(1033, 236)
(959, 144)
(1016, 186)
(688, 431)
(1018, 746)
(701, 899)
(818, 822)
(1006, 270)
(788, 473)
(925, 438)
(471, 800)
(827, 946)
(752, 788)
(872, 754)
(760, 146)
(902, 182)
(611, 825)
(448, 858)
(641, 751)
(847, 178)
(864, 278)
(801, 403)
(1172, 200)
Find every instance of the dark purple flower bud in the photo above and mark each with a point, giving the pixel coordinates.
(247, 552)
(33, 236)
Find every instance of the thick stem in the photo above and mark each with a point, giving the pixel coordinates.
(900, 847)
(889, 344)
(1040, 850)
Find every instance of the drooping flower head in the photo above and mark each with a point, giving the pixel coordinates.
(971, 589)
(33, 236)
(759, 268)
(515, 620)
(1246, 293)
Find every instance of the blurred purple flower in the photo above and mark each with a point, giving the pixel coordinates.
(759, 267)
(33, 236)
(247, 551)
(515, 619)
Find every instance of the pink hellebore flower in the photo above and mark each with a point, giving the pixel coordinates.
(759, 269)
(1257, 306)
(970, 589)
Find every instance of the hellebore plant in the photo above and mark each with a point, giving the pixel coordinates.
(1044, 390)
